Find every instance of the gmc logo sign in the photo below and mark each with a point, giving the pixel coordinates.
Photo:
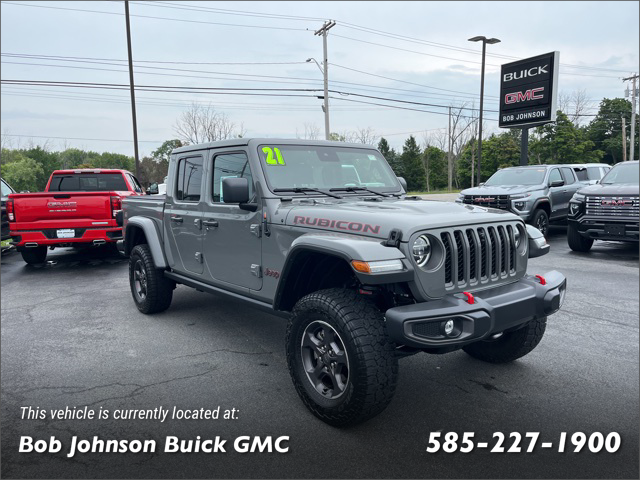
(532, 94)
(616, 203)
(487, 199)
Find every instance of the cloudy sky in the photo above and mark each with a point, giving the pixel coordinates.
(410, 51)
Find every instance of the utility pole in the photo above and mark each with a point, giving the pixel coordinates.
(633, 115)
(133, 95)
(323, 31)
(449, 169)
(624, 140)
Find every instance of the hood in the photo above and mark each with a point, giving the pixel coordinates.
(618, 189)
(378, 218)
(500, 189)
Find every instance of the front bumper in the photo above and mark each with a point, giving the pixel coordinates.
(493, 311)
(595, 228)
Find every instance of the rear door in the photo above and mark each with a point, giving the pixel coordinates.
(182, 214)
(232, 246)
(571, 186)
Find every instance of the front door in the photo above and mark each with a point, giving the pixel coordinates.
(182, 215)
(559, 203)
(232, 245)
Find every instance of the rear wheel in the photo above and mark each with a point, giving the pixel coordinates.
(341, 361)
(577, 242)
(34, 255)
(510, 345)
(151, 290)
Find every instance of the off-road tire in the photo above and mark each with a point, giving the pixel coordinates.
(34, 255)
(158, 289)
(540, 220)
(372, 362)
(511, 345)
(577, 242)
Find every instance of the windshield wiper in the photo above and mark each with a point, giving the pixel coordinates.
(358, 189)
(304, 190)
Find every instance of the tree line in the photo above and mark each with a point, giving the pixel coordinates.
(445, 158)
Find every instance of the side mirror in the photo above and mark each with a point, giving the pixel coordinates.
(557, 183)
(538, 245)
(403, 183)
(481, 184)
(235, 190)
(153, 189)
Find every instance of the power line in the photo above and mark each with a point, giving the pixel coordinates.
(78, 138)
(159, 18)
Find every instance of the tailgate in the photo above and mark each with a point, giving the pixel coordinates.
(63, 209)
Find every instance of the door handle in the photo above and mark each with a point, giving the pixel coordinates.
(210, 223)
(177, 219)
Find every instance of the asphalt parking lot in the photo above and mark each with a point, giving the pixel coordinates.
(71, 336)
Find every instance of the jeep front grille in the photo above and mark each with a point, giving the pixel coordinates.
(493, 201)
(478, 255)
(624, 206)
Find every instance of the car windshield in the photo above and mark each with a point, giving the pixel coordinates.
(622, 173)
(318, 167)
(6, 189)
(517, 176)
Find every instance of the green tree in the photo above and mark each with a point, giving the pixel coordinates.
(413, 168)
(563, 142)
(48, 161)
(605, 130)
(435, 164)
(391, 156)
(23, 173)
(163, 152)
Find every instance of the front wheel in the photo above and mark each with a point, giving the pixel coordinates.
(341, 361)
(577, 242)
(540, 220)
(152, 291)
(510, 345)
(33, 255)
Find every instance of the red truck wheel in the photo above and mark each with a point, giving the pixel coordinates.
(34, 255)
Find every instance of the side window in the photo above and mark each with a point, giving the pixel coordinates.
(189, 179)
(554, 176)
(136, 185)
(567, 173)
(230, 165)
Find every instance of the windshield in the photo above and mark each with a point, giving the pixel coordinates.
(517, 176)
(622, 173)
(586, 174)
(301, 166)
(6, 189)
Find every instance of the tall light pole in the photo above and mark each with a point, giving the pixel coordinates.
(325, 71)
(484, 41)
(133, 95)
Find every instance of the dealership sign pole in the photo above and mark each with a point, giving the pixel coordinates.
(528, 95)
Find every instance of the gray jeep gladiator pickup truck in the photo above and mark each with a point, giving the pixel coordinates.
(538, 194)
(323, 234)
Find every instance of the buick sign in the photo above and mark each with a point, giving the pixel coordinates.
(528, 91)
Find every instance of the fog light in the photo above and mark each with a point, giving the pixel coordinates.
(448, 327)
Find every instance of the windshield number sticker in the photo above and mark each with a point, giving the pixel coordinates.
(270, 159)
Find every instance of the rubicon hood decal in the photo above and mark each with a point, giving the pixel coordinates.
(337, 224)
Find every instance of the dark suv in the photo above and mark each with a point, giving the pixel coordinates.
(606, 211)
(538, 194)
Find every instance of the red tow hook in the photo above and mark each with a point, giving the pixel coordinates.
(541, 278)
(470, 299)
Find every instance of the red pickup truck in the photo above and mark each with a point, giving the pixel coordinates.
(78, 207)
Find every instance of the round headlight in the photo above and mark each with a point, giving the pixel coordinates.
(517, 236)
(421, 250)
